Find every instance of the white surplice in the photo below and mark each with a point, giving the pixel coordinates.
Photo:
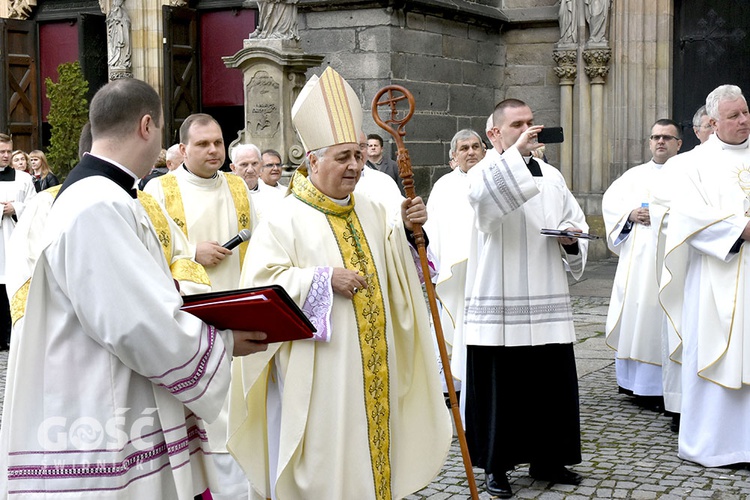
(635, 318)
(705, 294)
(516, 285)
(19, 192)
(449, 223)
(661, 200)
(381, 187)
(317, 445)
(210, 214)
(108, 381)
(265, 200)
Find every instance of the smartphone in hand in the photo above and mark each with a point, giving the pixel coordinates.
(550, 135)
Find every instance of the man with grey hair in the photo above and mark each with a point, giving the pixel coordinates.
(702, 124)
(356, 412)
(449, 222)
(247, 163)
(705, 289)
(174, 157)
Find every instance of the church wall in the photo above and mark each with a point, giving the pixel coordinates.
(454, 69)
(529, 76)
(459, 62)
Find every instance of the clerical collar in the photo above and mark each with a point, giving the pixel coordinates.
(216, 174)
(118, 165)
(342, 203)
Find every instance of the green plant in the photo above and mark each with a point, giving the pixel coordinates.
(68, 113)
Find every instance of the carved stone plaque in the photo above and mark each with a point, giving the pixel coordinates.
(263, 98)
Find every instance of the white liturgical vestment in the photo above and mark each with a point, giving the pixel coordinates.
(516, 286)
(361, 415)
(706, 293)
(108, 381)
(635, 317)
(19, 192)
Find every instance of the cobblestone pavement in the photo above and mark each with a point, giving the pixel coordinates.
(628, 452)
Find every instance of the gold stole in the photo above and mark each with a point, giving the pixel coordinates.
(369, 309)
(176, 210)
(182, 269)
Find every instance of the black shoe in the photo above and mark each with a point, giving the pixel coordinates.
(498, 485)
(555, 475)
(675, 425)
(653, 403)
(3, 347)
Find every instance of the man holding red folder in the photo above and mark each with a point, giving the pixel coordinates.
(109, 383)
(359, 411)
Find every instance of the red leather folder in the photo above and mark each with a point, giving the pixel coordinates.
(266, 309)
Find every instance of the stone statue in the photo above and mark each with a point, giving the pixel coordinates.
(597, 12)
(20, 9)
(278, 20)
(568, 22)
(118, 39)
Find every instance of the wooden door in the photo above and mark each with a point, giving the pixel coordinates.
(19, 106)
(181, 80)
(711, 48)
(92, 47)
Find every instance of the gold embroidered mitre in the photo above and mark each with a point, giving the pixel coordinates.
(327, 112)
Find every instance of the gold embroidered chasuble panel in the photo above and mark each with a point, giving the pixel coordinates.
(369, 308)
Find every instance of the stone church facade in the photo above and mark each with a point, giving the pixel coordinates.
(605, 70)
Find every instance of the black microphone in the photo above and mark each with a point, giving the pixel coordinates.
(243, 236)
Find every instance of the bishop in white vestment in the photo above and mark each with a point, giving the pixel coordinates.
(357, 413)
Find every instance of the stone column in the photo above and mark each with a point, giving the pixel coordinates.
(566, 71)
(274, 74)
(597, 68)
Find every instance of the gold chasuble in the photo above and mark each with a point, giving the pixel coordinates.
(370, 313)
(361, 415)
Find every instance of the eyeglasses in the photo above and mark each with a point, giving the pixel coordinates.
(658, 137)
(272, 165)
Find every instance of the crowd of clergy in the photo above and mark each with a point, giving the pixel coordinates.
(113, 391)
